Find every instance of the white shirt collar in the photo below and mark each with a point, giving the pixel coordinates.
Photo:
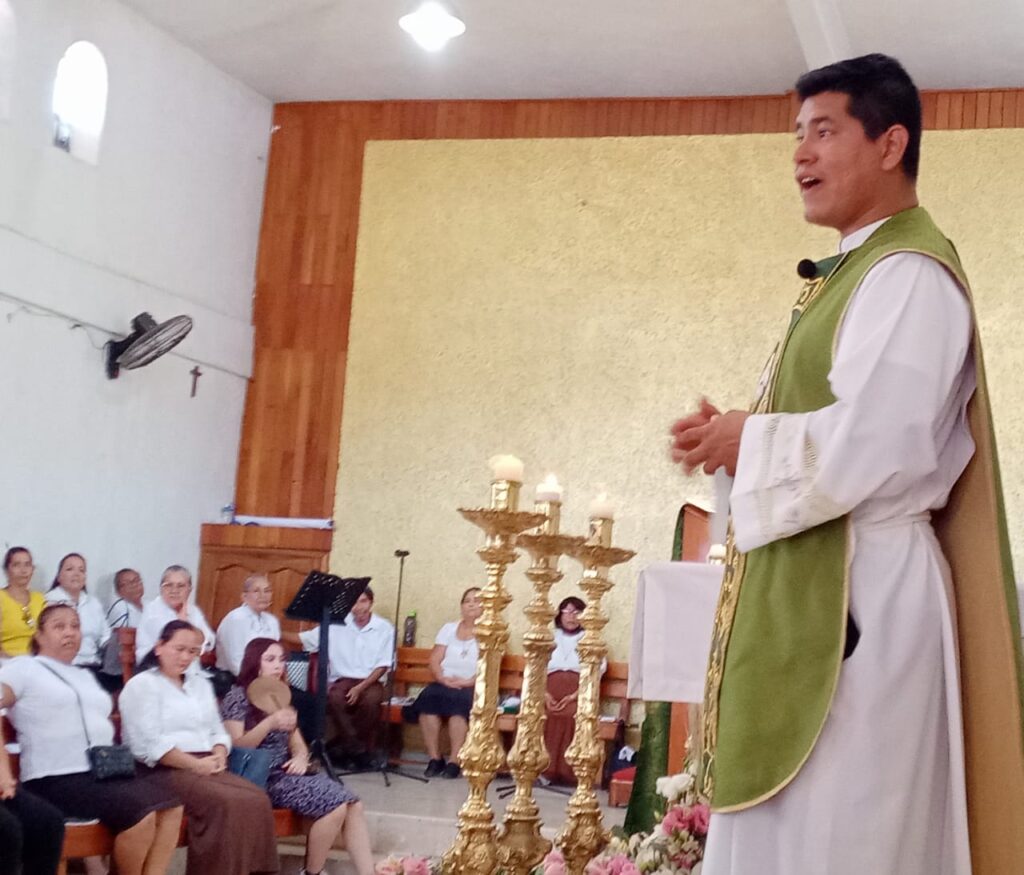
(83, 596)
(371, 625)
(855, 238)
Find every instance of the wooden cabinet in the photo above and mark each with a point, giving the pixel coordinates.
(229, 554)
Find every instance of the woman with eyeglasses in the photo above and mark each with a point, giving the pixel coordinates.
(562, 690)
(173, 603)
(19, 606)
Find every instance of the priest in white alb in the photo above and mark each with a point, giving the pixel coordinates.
(863, 708)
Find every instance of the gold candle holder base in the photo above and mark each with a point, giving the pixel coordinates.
(475, 851)
(583, 835)
(521, 845)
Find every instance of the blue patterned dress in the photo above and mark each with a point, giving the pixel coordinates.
(308, 795)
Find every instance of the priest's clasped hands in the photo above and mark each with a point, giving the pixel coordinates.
(708, 439)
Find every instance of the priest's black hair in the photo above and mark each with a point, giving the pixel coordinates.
(881, 94)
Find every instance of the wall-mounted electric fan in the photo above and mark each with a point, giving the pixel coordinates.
(148, 341)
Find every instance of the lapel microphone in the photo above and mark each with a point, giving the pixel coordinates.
(807, 269)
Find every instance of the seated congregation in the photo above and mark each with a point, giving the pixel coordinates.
(181, 697)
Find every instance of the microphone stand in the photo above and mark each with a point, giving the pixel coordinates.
(385, 768)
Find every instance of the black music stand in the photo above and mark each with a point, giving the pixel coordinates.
(325, 599)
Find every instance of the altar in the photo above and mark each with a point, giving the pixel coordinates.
(672, 626)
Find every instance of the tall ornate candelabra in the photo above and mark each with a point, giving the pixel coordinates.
(521, 845)
(475, 851)
(583, 834)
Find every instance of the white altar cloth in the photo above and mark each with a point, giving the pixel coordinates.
(672, 625)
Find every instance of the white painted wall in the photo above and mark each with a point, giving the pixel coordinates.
(123, 471)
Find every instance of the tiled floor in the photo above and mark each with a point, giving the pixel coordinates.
(414, 817)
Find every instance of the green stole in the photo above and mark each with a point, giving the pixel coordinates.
(780, 627)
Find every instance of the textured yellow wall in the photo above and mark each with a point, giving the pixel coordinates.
(564, 300)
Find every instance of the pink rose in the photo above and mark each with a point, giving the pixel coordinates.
(685, 861)
(677, 819)
(554, 863)
(700, 817)
(415, 866)
(619, 864)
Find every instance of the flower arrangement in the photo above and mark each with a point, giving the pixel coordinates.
(675, 845)
(407, 866)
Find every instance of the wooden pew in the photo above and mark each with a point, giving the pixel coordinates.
(412, 669)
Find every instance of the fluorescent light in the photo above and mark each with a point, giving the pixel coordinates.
(432, 26)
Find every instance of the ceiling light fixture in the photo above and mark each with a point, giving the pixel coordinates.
(432, 25)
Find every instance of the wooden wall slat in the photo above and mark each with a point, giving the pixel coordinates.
(984, 106)
(956, 111)
(305, 270)
(995, 110)
(970, 110)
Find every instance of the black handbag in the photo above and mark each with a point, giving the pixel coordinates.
(111, 761)
(106, 761)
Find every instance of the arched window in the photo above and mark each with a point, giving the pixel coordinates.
(80, 101)
(7, 36)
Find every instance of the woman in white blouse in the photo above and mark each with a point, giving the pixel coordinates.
(170, 719)
(450, 696)
(562, 689)
(59, 712)
(69, 588)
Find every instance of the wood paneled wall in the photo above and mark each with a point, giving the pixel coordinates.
(291, 431)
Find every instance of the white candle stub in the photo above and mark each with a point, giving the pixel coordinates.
(507, 468)
(602, 508)
(550, 489)
(716, 554)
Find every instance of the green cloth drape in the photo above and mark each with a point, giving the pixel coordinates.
(652, 759)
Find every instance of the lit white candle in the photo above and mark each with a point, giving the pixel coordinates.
(507, 468)
(602, 508)
(550, 489)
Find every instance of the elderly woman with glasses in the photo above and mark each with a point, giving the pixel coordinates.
(562, 689)
(172, 604)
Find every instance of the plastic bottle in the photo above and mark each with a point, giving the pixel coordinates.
(409, 630)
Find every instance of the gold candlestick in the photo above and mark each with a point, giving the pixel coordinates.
(521, 845)
(475, 851)
(583, 835)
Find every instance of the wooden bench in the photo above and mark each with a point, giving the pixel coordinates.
(412, 669)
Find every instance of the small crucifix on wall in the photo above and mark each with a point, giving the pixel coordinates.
(196, 374)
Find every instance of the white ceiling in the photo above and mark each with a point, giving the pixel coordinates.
(354, 50)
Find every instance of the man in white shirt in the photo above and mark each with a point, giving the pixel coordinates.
(126, 610)
(172, 604)
(361, 652)
(252, 619)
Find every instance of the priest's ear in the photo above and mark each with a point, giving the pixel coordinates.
(893, 143)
